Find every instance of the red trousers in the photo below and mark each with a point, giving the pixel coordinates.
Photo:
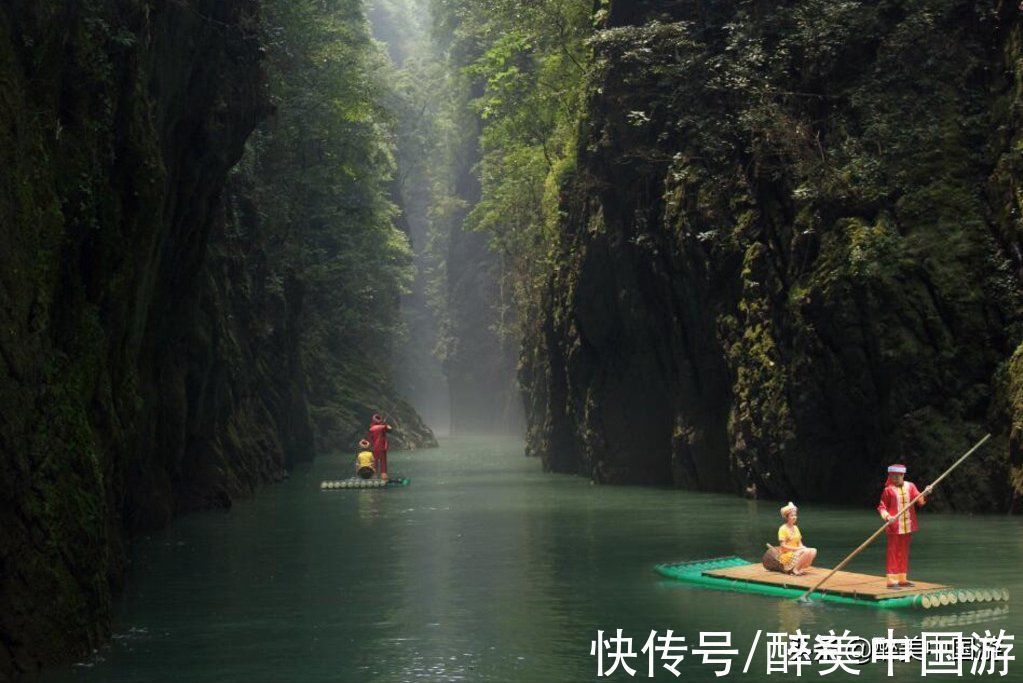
(898, 553)
(381, 458)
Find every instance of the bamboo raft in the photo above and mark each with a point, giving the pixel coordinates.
(847, 588)
(357, 483)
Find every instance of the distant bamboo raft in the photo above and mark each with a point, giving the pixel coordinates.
(357, 483)
(848, 588)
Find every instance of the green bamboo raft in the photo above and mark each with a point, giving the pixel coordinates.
(845, 588)
(357, 483)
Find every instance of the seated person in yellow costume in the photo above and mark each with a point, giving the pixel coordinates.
(795, 557)
(364, 461)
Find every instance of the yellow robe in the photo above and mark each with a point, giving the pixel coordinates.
(364, 459)
(787, 537)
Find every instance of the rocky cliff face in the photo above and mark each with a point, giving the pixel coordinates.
(152, 345)
(790, 252)
(119, 126)
(1006, 201)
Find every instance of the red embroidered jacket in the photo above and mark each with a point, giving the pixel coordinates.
(893, 499)
(378, 437)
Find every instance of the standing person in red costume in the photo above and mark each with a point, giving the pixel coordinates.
(896, 495)
(377, 436)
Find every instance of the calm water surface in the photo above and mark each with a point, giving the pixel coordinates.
(486, 569)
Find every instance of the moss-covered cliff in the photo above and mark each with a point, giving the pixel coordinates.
(315, 191)
(159, 343)
(789, 251)
(120, 122)
(1006, 202)
(442, 153)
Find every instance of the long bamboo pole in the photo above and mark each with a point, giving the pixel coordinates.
(884, 526)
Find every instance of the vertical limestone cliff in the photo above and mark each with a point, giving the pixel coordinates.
(154, 336)
(120, 122)
(1005, 193)
(790, 252)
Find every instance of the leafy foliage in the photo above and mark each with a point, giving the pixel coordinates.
(526, 63)
(319, 173)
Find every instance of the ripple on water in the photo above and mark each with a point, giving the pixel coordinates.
(485, 569)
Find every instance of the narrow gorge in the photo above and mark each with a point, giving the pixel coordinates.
(753, 248)
(188, 310)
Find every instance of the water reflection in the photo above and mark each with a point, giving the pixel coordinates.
(486, 569)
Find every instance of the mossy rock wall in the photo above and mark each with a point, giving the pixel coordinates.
(120, 121)
(790, 252)
(1006, 201)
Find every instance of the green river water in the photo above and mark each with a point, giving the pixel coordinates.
(487, 569)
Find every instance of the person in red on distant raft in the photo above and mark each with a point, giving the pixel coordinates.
(896, 495)
(378, 438)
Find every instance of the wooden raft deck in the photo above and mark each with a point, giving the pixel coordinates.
(850, 584)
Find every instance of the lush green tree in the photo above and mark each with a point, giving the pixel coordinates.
(525, 64)
(319, 173)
